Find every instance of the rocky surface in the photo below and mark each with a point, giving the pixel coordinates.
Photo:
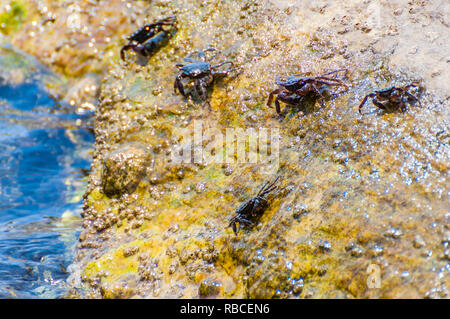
(362, 200)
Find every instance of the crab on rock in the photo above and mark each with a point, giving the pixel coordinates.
(294, 89)
(391, 99)
(200, 71)
(252, 208)
(155, 35)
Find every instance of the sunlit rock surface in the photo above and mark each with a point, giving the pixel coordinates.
(363, 199)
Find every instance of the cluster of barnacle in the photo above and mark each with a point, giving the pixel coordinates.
(292, 91)
(135, 217)
(148, 268)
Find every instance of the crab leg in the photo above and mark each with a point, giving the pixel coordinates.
(220, 64)
(266, 189)
(225, 72)
(178, 85)
(364, 101)
(241, 220)
(272, 94)
(188, 57)
(333, 72)
(200, 87)
(125, 48)
(413, 97)
(277, 105)
(326, 81)
(288, 98)
(378, 104)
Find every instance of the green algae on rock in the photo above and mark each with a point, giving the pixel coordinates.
(12, 16)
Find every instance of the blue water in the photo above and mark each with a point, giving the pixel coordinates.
(44, 157)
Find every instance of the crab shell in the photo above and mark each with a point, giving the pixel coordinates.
(292, 83)
(196, 69)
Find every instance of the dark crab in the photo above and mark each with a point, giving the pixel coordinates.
(200, 71)
(295, 89)
(155, 35)
(391, 99)
(252, 208)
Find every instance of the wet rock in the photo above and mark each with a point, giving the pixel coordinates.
(120, 290)
(394, 232)
(325, 246)
(437, 293)
(356, 251)
(83, 94)
(347, 177)
(377, 251)
(297, 286)
(418, 241)
(446, 254)
(123, 169)
(209, 288)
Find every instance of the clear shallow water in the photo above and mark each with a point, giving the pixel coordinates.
(44, 157)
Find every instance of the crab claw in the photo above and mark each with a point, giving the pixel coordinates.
(125, 48)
